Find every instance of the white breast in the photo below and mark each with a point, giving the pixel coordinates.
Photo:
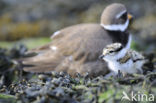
(127, 67)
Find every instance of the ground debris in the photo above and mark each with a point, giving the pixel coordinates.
(60, 87)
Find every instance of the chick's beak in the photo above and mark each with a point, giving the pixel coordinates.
(129, 16)
(101, 57)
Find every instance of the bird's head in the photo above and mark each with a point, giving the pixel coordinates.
(111, 52)
(115, 17)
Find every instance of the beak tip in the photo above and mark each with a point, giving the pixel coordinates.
(101, 56)
(130, 16)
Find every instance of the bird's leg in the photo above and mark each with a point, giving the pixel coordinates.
(120, 74)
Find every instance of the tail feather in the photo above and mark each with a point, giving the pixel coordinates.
(40, 62)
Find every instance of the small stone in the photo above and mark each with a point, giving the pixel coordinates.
(66, 81)
(42, 77)
(86, 75)
(77, 80)
(28, 84)
(61, 73)
(55, 81)
(59, 92)
(67, 76)
(54, 74)
(60, 79)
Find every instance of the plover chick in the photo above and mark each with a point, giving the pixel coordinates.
(121, 59)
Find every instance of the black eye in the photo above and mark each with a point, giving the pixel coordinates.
(111, 51)
(124, 16)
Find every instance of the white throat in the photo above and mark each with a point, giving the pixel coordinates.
(116, 27)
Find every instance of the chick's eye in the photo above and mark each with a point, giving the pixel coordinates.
(111, 51)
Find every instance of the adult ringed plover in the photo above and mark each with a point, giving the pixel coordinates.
(77, 48)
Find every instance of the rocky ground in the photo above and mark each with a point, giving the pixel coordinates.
(17, 86)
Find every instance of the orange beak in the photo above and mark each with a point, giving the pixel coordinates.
(130, 16)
